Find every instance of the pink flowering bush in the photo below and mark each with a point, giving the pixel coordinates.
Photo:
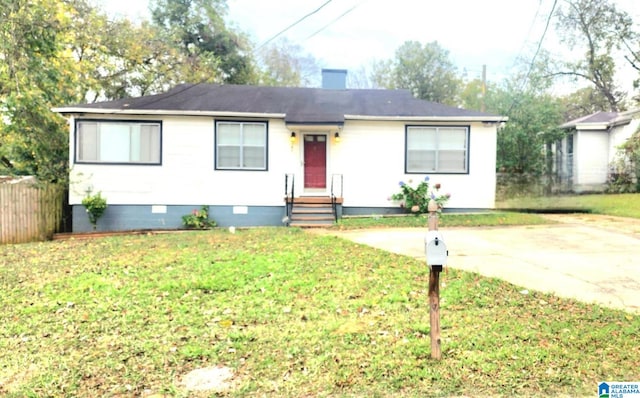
(416, 199)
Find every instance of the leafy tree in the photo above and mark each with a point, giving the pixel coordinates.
(535, 114)
(116, 58)
(285, 64)
(582, 102)
(533, 121)
(58, 52)
(34, 75)
(426, 70)
(480, 96)
(599, 29)
(210, 51)
(625, 176)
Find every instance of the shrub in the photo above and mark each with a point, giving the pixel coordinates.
(416, 200)
(198, 219)
(95, 206)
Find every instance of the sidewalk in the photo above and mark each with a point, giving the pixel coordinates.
(595, 259)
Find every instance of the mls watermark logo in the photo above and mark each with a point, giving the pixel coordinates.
(619, 389)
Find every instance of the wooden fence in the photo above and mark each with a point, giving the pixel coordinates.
(30, 212)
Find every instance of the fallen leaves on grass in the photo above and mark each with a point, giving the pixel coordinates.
(298, 314)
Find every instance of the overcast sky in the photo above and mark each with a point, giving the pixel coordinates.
(347, 34)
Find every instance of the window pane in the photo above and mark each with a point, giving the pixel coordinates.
(451, 161)
(150, 143)
(87, 141)
(436, 149)
(253, 134)
(115, 141)
(421, 138)
(452, 139)
(228, 134)
(229, 156)
(241, 145)
(421, 161)
(118, 142)
(254, 157)
(134, 152)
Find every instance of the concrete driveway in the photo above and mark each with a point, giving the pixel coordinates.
(595, 259)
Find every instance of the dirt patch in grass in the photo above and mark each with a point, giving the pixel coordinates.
(215, 379)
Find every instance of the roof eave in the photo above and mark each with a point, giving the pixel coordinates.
(163, 112)
(168, 112)
(587, 126)
(297, 126)
(482, 119)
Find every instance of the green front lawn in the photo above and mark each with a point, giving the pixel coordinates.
(294, 314)
(624, 205)
(444, 221)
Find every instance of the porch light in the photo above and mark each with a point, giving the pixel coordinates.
(293, 137)
(336, 136)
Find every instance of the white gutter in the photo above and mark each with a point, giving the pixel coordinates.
(496, 119)
(592, 126)
(102, 111)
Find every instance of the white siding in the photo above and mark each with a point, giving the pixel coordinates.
(370, 156)
(591, 159)
(619, 135)
(187, 175)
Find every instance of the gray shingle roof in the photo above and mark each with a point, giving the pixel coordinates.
(299, 105)
(598, 117)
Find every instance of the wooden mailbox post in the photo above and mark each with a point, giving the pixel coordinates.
(436, 253)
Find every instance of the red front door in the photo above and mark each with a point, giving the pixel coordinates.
(315, 161)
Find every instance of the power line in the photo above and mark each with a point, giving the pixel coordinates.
(202, 81)
(535, 55)
(292, 25)
(533, 22)
(544, 33)
(333, 21)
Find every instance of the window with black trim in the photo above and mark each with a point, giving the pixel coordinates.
(437, 149)
(241, 145)
(118, 142)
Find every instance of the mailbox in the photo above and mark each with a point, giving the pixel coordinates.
(436, 250)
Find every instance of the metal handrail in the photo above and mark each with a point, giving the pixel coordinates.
(288, 199)
(334, 205)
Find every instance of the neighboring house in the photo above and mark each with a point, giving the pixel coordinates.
(242, 149)
(584, 156)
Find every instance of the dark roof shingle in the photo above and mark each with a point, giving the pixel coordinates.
(299, 105)
(597, 117)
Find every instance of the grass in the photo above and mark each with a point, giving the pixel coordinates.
(294, 314)
(517, 211)
(446, 220)
(624, 205)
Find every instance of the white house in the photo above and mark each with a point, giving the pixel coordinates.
(585, 154)
(241, 150)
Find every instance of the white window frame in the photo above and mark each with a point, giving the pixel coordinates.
(123, 147)
(241, 144)
(438, 145)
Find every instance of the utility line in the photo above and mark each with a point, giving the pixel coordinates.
(292, 25)
(535, 55)
(533, 22)
(192, 86)
(333, 21)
